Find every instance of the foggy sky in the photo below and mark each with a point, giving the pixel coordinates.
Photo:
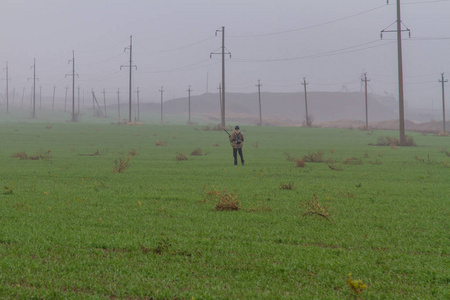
(331, 43)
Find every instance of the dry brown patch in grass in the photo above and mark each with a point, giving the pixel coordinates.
(121, 164)
(180, 156)
(286, 186)
(160, 143)
(300, 163)
(197, 152)
(20, 155)
(314, 208)
(225, 201)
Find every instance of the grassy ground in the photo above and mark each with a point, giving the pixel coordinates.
(73, 228)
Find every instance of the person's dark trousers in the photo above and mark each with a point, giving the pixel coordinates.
(235, 152)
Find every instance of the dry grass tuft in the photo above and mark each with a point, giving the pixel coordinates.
(316, 157)
(286, 186)
(314, 208)
(197, 152)
(225, 201)
(20, 155)
(160, 143)
(180, 156)
(300, 163)
(121, 164)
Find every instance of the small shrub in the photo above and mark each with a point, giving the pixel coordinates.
(286, 186)
(197, 152)
(300, 163)
(121, 164)
(316, 157)
(20, 155)
(225, 201)
(356, 286)
(160, 143)
(314, 208)
(180, 156)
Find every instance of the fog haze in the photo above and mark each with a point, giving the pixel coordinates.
(331, 43)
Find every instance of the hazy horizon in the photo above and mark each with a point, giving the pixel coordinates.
(278, 42)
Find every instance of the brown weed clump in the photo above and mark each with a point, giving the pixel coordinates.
(197, 152)
(287, 186)
(121, 164)
(180, 156)
(314, 208)
(160, 143)
(316, 157)
(20, 155)
(225, 201)
(300, 163)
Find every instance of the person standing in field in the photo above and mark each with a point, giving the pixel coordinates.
(237, 141)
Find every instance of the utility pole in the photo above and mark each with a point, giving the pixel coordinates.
(33, 115)
(118, 103)
(7, 92)
(400, 73)
(443, 100)
(189, 101)
(53, 99)
(220, 97)
(104, 100)
(131, 66)
(259, 97)
(365, 80)
(73, 85)
(308, 121)
(137, 98)
(161, 91)
(223, 73)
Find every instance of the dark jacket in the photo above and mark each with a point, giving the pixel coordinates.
(233, 139)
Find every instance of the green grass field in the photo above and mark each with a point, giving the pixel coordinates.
(73, 228)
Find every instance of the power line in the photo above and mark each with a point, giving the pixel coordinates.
(324, 54)
(179, 48)
(308, 27)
